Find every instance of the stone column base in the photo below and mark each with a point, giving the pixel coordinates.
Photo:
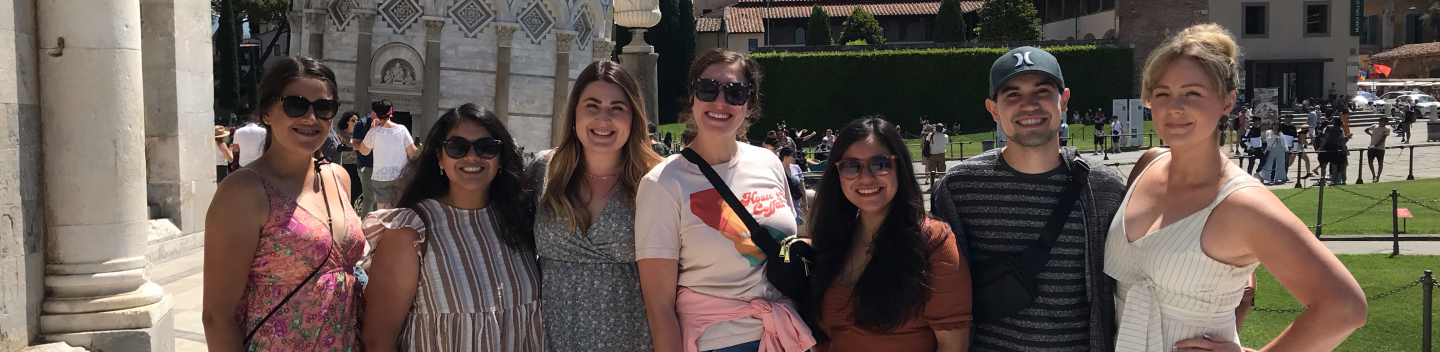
(145, 329)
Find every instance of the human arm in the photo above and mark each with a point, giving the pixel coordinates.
(342, 175)
(410, 151)
(229, 158)
(657, 246)
(364, 145)
(394, 278)
(233, 225)
(948, 310)
(658, 283)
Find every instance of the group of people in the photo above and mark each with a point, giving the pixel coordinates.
(600, 244)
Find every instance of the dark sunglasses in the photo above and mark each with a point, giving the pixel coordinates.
(707, 90)
(880, 165)
(296, 106)
(485, 148)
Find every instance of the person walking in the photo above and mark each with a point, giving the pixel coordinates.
(1275, 151)
(453, 266)
(392, 147)
(1254, 148)
(249, 140)
(1099, 134)
(348, 158)
(585, 220)
(935, 163)
(1064, 134)
(1377, 132)
(364, 162)
(222, 154)
(280, 275)
(1412, 113)
(1180, 276)
(1033, 202)
(1115, 131)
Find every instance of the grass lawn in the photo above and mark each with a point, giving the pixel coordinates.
(1340, 204)
(1081, 136)
(1393, 323)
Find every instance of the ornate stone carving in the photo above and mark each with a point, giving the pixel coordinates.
(398, 72)
(472, 16)
(316, 21)
(583, 28)
(505, 33)
(366, 20)
(400, 14)
(432, 29)
(602, 49)
(563, 39)
(537, 21)
(341, 12)
(296, 18)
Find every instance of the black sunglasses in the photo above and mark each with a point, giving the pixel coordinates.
(485, 148)
(880, 165)
(296, 106)
(735, 93)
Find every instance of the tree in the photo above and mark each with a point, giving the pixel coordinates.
(1008, 20)
(817, 32)
(1432, 17)
(227, 43)
(950, 23)
(674, 39)
(862, 26)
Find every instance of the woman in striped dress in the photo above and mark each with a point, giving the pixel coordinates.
(1179, 276)
(454, 263)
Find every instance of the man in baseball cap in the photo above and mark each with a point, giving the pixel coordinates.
(1033, 202)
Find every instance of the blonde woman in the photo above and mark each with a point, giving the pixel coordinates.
(1179, 276)
(585, 220)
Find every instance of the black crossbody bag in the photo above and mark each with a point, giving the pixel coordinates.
(1006, 284)
(791, 275)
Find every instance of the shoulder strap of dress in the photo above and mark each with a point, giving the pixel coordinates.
(1236, 183)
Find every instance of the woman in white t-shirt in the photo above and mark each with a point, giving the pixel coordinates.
(702, 277)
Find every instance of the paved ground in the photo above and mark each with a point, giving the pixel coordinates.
(182, 277)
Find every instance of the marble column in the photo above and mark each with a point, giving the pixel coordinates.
(299, 31)
(504, 36)
(639, 58)
(315, 46)
(365, 24)
(97, 293)
(430, 96)
(563, 39)
(601, 49)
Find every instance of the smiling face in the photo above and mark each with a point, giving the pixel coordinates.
(603, 117)
(302, 134)
(1186, 105)
(470, 173)
(1028, 107)
(719, 119)
(870, 193)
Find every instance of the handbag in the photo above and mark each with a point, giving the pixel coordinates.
(791, 275)
(925, 146)
(250, 336)
(1006, 284)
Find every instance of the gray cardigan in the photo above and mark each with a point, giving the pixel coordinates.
(1102, 191)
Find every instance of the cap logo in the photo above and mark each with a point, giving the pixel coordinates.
(1023, 59)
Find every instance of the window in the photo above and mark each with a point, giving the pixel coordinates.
(1413, 28)
(800, 36)
(1317, 19)
(1257, 20)
(754, 44)
(1371, 33)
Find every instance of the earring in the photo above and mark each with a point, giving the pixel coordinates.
(442, 171)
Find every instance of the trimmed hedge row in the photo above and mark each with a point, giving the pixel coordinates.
(828, 89)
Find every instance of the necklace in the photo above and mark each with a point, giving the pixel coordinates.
(587, 174)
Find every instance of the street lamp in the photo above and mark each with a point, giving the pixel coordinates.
(639, 57)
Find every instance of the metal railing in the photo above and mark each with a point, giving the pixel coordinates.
(1427, 285)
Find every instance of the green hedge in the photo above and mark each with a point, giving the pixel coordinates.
(822, 90)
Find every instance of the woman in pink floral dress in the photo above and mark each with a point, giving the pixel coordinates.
(282, 238)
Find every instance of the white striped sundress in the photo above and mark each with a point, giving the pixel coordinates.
(475, 293)
(1168, 289)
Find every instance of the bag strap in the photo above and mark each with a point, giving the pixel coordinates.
(1035, 257)
(331, 224)
(758, 234)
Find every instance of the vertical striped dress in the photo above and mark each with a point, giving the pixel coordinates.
(475, 293)
(1168, 289)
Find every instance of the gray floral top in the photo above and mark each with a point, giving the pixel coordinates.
(590, 292)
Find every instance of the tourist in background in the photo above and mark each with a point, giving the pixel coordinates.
(1377, 132)
(1254, 148)
(284, 240)
(1275, 150)
(393, 147)
(585, 220)
(346, 126)
(223, 158)
(1180, 276)
(249, 140)
(364, 162)
(453, 266)
(887, 276)
(935, 163)
(703, 277)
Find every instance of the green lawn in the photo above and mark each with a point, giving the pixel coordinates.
(1081, 136)
(1340, 204)
(1393, 323)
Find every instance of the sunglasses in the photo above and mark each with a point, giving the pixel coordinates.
(707, 90)
(485, 148)
(297, 106)
(880, 165)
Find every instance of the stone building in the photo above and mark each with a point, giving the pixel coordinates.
(106, 164)
(747, 25)
(517, 57)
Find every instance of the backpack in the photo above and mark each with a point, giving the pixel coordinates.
(1334, 138)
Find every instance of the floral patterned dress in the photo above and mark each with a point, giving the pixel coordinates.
(323, 315)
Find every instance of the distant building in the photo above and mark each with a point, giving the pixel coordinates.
(747, 25)
(1395, 35)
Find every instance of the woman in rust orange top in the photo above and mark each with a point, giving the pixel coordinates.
(887, 277)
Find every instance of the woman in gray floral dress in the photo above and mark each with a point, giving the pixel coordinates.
(585, 219)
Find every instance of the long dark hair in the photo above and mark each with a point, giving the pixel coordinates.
(896, 283)
(509, 194)
(281, 74)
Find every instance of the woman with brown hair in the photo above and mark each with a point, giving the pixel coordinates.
(585, 216)
(702, 275)
(1180, 276)
(284, 239)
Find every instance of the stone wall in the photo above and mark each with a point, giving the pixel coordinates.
(21, 221)
(1144, 24)
(179, 134)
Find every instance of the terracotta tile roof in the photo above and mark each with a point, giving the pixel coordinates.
(751, 19)
(707, 24)
(1408, 51)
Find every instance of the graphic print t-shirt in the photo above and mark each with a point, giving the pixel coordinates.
(388, 146)
(679, 215)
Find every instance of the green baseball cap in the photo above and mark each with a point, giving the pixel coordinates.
(1024, 60)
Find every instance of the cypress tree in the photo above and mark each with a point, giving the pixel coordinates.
(950, 23)
(817, 32)
(1009, 20)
